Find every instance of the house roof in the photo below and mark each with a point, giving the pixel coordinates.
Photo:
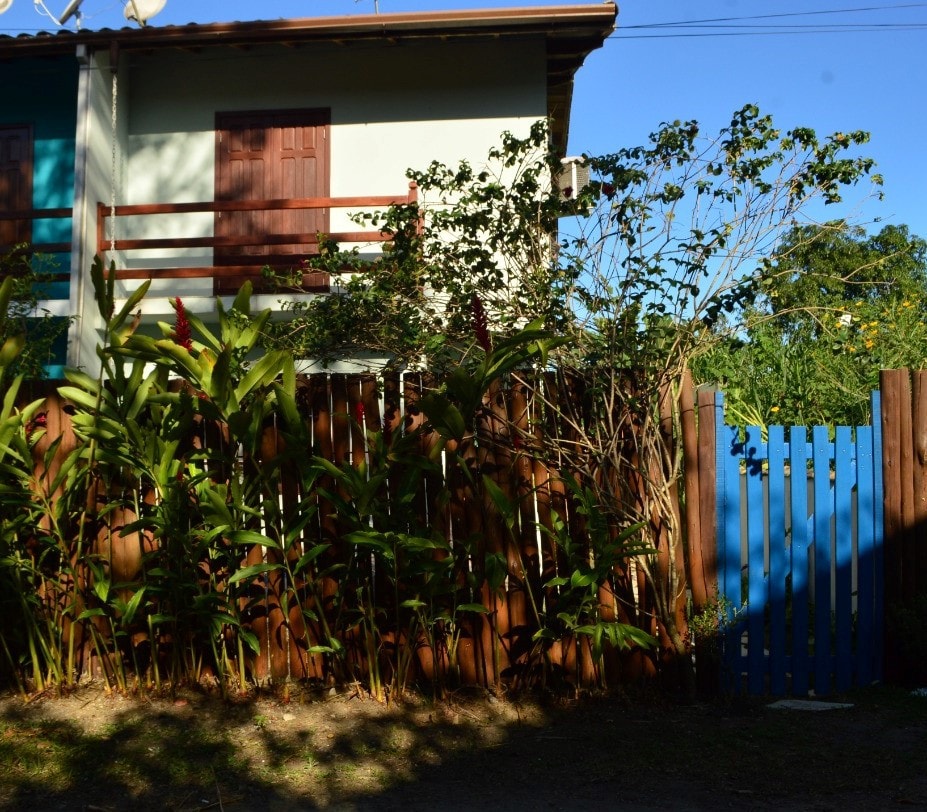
(571, 32)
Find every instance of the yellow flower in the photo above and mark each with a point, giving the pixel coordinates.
(906, 304)
(774, 409)
(869, 344)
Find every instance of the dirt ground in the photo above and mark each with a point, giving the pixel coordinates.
(95, 751)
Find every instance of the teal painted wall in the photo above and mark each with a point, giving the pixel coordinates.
(43, 94)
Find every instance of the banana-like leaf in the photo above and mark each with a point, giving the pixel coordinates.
(253, 571)
(444, 416)
(203, 332)
(11, 349)
(79, 397)
(193, 367)
(506, 507)
(251, 537)
(261, 373)
(6, 293)
(130, 304)
(242, 301)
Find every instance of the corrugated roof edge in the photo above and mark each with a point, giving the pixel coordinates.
(571, 32)
(592, 21)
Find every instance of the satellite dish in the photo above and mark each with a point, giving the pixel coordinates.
(69, 11)
(5, 5)
(141, 11)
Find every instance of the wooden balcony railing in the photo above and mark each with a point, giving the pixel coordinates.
(17, 242)
(9, 242)
(229, 270)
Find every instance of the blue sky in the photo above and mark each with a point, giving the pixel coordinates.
(827, 64)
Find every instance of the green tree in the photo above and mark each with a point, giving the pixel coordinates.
(663, 251)
(484, 231)
(836, 306)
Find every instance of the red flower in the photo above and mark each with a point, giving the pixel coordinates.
(480, 323)
(182, 333)
(359, 413)
(568, 191)
(40, 421)
(608, 190)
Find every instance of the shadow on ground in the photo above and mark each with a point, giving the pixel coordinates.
(93, 752)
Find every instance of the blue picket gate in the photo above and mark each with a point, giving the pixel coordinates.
(800, 556)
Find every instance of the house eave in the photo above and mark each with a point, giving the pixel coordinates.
(570, 32)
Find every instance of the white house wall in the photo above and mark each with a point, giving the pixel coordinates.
(391, 108)
(95, 179)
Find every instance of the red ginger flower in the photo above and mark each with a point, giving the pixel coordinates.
(480, 323)
(182, 333)
(40, 421)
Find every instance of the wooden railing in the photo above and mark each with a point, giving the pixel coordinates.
(38, 214)
(229, 274)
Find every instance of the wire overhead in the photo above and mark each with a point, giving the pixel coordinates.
(759, 25)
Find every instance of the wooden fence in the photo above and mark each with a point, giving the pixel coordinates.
(512, 447)
(904, 469)
(508, 447)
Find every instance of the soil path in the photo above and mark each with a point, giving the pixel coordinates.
(93, 751)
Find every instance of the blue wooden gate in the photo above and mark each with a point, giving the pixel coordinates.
(800, 556)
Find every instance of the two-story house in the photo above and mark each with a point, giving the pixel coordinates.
(194, 155)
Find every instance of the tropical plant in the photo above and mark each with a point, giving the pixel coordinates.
(836, 306)
(668, 243)
(21, 314)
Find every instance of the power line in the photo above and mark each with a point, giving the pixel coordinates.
(722, 26)
(782, 14)
(768, 33)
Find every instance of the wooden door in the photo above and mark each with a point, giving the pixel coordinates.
(271, 155)
(15, 183)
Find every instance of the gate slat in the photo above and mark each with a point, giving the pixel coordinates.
(798, 459)
(777, 562)
(823, 512)
(865, 542)
(728, 465)
(755, 455)
(878, 524)
(844, 481)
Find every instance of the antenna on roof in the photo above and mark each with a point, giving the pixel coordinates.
(376, 5)
(70, 10)
(141, 11)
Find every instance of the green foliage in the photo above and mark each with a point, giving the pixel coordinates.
(20, 625)
(20, 315)
(685, 221)
(577, 608)
(377, 305)
(663, 253)
(163, 535)
(836, 306)
(194, 450)
(484, 231)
